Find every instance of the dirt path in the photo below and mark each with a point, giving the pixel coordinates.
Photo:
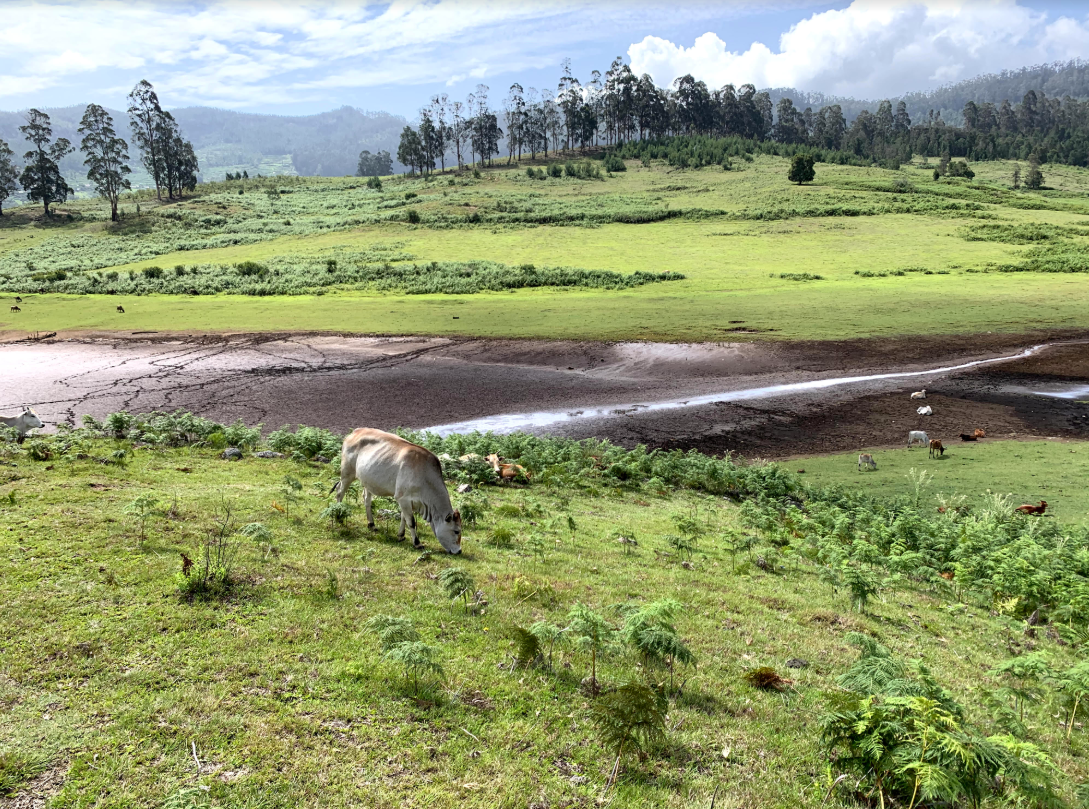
(344, 382)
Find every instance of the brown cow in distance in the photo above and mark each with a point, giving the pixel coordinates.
(16, 309)
(1028, 508)
(121, 309)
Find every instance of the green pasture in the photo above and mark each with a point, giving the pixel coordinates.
(1027, 471)
(276, 696)
(740, 231)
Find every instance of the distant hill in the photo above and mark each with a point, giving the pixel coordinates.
(1056, 80)
(327, 144)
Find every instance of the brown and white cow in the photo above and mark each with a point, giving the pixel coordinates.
(387, 465)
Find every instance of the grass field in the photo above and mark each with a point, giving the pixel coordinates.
(275, 696)
(741, 230)
(1028, 471)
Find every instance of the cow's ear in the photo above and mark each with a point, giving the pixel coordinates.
(457, 516)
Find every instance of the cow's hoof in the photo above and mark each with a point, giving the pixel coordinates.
(417, 545)
(370, 526)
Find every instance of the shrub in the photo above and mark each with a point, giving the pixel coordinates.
(411, 195)
(154, 273)
(212, 574)
(374, 183)
(614, 164)
(249, 269)
(308, 442)
(413, 217)
(476, 174)
(555, 170)
(801, 169)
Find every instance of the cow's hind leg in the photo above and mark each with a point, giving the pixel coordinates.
(367, 505)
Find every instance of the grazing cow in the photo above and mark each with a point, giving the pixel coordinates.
(917, 437)
(16, 309)
(388, 466)
(925, 411)
(979, 433)
(936, 448)
(1028, 508)
(18, 299)
(23, 423)
(966, 437)
(919, 394)
(866, 459)
(121, 309)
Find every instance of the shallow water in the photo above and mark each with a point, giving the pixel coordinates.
(512, 422)
(1073, 393)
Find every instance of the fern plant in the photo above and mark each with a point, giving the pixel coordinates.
(143, 508)
(457, 583)
(336, 513)
(593, 633)
(1074, 692)
(418, 660)
(390, 630)
(1022, 676)
(907, 739)
(531, 643)
(650, 631)
(630, 720)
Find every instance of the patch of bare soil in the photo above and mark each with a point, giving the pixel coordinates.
(342, 382)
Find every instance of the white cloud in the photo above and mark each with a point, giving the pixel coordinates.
(876, 48)
(246, 52)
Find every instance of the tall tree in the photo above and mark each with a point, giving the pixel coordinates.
(440, 105)
(41, 178)
(1034, 178)
(514, 113)
(9, 175)
(145, 119)
(459, 130)
(177, 161)
(106, 155)
(409, 152)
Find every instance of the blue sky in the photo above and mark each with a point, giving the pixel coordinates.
(308, 56)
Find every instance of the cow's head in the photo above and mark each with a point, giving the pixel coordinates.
(448, 532)
(31, 420)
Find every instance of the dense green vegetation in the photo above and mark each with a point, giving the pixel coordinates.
(181, 622)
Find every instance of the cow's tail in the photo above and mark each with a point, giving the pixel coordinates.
(336, 486)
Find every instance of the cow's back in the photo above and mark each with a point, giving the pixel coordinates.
(388, 465)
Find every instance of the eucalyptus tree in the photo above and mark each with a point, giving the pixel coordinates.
(145, 116)
(41, 177)
(176, 159)
(569, 98)
(106, 155)
(9, 175)
(459, 129)
(439, 109)
(514, 117)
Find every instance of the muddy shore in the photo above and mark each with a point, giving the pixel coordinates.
(342, 382)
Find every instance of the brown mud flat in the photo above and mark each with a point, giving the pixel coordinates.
(342, 382)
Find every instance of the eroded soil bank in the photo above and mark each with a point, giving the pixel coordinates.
(344, 382)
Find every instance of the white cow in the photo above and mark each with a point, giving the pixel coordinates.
(919, 394)
(918, 437)
(388, 466)
(866, 459)
(23, 423)
(925, 411)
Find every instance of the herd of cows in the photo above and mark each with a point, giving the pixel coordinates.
(936, 447)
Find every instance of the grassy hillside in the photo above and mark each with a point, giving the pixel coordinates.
(272, 692)
(745, 240)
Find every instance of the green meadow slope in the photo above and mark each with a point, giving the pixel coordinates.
(121, 690)
(896, 253)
